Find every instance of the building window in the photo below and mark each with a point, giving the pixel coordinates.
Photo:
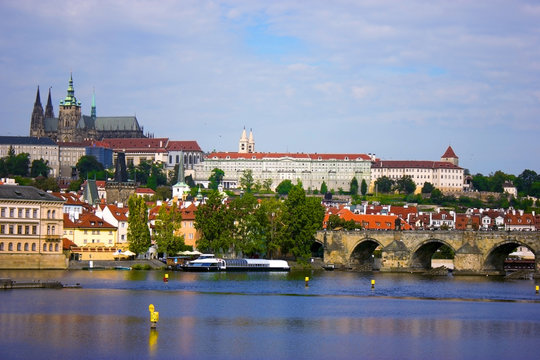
(35, 214)
(53, 230)
(19, 229)
(27, 213)
(11, 212)
(56, 247)
(2, 246)
(50, 247)
(20, 213)
(54, 214)
(11, 229)
(34, 230)
(25, 246)
(3, 212)
(10, 247)
(33, 247)
(18, 246)
(44, 247)
(48, 229)
(2, 229)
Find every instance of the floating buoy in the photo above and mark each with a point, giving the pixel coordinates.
(166, 278)
(307, 281)
(154, 316)
(537, 288)
(372, 284)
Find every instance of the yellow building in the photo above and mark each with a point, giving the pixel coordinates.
(31, 227)
(95, 238)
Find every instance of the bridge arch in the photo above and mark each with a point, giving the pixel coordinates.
(422, 254)
(496, 256)
(317, 249)
(361, 257)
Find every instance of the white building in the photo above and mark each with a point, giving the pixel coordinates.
(36, 148)
(445, 175)
(336, 170)
(117, 216)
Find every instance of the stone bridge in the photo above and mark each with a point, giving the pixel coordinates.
(476, 252)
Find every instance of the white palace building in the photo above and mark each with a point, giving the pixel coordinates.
(336, 170)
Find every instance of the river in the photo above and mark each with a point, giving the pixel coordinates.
(269, 316)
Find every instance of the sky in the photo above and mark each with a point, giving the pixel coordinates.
(400, 79)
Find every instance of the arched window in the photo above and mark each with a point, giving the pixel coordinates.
(54, 214)
(10, 247)
(48, 214)
(2, 246)
(44, 247)
(56, 247)
(53, 230)
(50, 247)
(26, 247)
(19, 247)
(34, 247)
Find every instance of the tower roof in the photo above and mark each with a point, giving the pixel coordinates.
(38, 98)
(70, 99)
(49, 112)
(449, 153)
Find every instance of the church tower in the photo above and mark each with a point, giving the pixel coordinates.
(450, 156)
(243, 143)
(69, 116)
(251, 142)
(37, 123)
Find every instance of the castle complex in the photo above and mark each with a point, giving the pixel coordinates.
(72, 126)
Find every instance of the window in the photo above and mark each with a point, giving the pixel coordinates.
(27, 213)
(2, 229)
(48, 229)
(27, 230)
(34, 230)
(19, 229)
(48, 214)
(10, 247)
(33, 247)
(25, 246)
(3, 212)
(11, 229)
(18, 246)
(44, 247)
(35, 213)
(21, 213)
(54, 214)
(53, 230)
(50, 247)
(11, 212)
(1, 246)
(56, 247)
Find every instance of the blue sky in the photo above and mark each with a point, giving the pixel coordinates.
(401, 79)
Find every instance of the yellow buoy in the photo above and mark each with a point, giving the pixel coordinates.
(537, 288)
(373, 284)
(154, 316)
(307, 281)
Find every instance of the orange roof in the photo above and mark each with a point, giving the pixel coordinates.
(67, 244)
(132, 144)
(415, 164)
(371, 222)
(87, 221)
(191, 145)
(145, 191)
(449, 153)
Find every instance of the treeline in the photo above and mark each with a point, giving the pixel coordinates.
(19, 165)
(247, 226)
(527, 183)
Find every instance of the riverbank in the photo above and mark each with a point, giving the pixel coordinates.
(151, 264)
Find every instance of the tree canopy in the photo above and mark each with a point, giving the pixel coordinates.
(138, 233)
(168, 222)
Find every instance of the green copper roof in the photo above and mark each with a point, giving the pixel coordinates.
(70, 99)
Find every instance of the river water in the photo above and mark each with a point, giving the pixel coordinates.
(269, 316)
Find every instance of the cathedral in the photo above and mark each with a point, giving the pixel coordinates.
(71, 126)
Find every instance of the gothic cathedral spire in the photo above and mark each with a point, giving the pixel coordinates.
(93, 110)
(36, 122)
(49, 112)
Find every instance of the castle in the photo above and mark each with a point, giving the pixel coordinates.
(72, 126)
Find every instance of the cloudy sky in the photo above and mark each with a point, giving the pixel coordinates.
(401, 79)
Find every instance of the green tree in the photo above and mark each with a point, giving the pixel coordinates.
(75, 185)
(480, 182)
(284, 187)
(46, 184)
(88, 167)
(215, 224)
(324, 188)
(17, 164)
(363, 187)
(268, 216)
(525, 180)
(427, 188)
(301, 218)
(168, 222)
(163, 192)
(436, 196)
(39, 167)
(354, 186)
(384, 184)
(216, 177)
(248, 231)
(246, 180)
(406, 185)
(138, 233)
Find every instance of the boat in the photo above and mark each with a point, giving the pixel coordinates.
(207, 262)
(122, 268)
(329, 267)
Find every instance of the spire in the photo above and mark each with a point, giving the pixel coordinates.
(36, 121)
(49, 112)
(181, 176)
(70, 99)
(244, 137)
(93, 111)
(251, 142)
(243, 143)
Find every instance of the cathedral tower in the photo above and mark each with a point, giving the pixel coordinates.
(49, 112)
(37, 126)
(243, 143)
(69, 116)
(251, 142)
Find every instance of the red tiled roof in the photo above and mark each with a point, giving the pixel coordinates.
(87, 221)
(119, 213)
(67, 244)
(449, 153)
(371, 222)
(132, 144)
(191, 145)
(145, 191)
(415, 164)
(259, 156)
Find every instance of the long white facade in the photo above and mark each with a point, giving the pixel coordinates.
(336, 170)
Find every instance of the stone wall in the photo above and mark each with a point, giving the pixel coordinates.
(33, 261)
